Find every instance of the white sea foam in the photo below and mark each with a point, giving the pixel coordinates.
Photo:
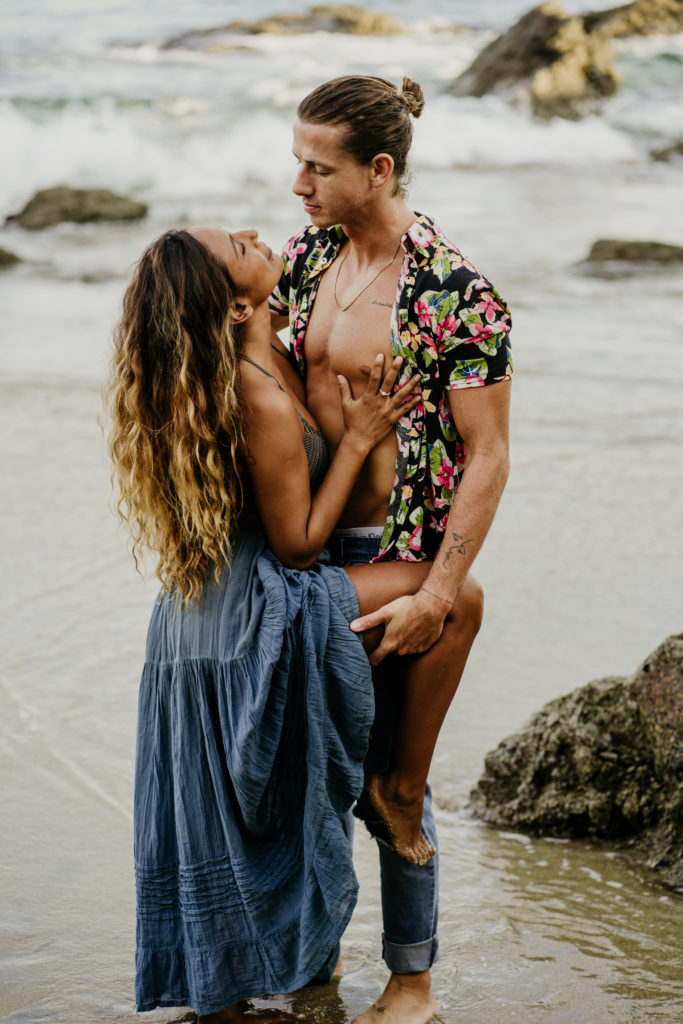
(490, 133)
(186, 145)
(650, 46)
(78, 146)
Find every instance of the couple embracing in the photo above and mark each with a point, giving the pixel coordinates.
(315, 509)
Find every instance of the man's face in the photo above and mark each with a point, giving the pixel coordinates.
(335, 188)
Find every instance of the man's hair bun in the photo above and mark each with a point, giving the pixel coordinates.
(413, 97)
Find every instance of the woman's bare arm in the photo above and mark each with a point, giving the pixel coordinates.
(298, 524)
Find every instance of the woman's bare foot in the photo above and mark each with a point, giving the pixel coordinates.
(402, 818)
(338, 972)
(407, 999)
(235, 1015)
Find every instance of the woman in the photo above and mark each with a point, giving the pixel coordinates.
(255, 700)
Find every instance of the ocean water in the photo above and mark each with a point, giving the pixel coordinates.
(582, 569)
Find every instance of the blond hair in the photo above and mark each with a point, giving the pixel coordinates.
(175, 435)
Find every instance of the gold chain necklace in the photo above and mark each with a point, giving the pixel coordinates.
(349, 304)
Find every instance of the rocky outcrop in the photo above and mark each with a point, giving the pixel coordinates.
(323, 18)
(8, 259)
(669, 152)
(608, 250)
(605, 761)
(80, 205)
(644, 17)
(564, 65)
(328, 18)
(549, 57)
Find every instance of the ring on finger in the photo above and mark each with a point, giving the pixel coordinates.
(385, 394)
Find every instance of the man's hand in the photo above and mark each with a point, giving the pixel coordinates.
(411, 625)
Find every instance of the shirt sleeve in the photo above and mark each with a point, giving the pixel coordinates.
(279, 297)
(468, 324)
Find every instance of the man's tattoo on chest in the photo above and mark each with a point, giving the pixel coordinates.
(459, 546)
(387, 305)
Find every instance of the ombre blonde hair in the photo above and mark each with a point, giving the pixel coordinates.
(175, 432)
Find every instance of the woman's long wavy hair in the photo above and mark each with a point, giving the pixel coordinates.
(175, 437)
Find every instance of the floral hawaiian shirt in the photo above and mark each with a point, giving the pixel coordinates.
(452, 327)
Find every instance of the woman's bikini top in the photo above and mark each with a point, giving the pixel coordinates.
(317, 455)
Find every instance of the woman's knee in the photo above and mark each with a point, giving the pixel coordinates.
(467, 612)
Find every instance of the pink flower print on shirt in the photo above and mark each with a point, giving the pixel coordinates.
(488, 307)
(478, 330)
(421, 235)
(446, 473)
(415, 541)
(426, 313)
(447, 328)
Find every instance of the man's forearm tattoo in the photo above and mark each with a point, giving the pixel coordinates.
(459, 546)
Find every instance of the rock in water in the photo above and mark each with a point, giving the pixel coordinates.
(342, 18)
(551, 58)
(605, 761)
(80, 205)
(644, 17)
(669, 152)
(332, 18)
(8, 259)
(607, 250)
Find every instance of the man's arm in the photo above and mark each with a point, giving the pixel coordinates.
(413, 623)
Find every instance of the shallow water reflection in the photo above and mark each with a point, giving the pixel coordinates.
(532, 930)
(555, 931)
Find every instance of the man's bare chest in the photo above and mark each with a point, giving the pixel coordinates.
(344, 340)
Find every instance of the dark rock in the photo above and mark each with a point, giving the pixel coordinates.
(657, 687)
(80, 205)
(644, 17)
(8, 259)
(605, 761)
(323, 18)
(607, 250)
(548, 56)
(669, 152)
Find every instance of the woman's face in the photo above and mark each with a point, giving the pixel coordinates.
(253, 267)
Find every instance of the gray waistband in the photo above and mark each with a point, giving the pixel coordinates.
(373, 532)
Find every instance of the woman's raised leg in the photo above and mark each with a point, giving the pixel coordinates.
(430, 681)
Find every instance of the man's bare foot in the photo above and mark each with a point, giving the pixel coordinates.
(407, 999)
(235, 1015)
(402, 818)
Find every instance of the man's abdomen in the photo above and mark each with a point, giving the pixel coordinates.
(369, 500)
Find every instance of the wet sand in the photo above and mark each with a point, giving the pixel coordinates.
(582, 579)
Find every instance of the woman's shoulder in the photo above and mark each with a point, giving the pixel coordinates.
(264, 395)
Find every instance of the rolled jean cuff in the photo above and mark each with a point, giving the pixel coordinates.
(410, 959)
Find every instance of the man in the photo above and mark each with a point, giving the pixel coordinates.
(371, 276)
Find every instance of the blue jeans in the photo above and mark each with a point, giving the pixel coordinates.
(410, 894)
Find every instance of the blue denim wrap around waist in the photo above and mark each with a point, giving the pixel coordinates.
(254, 715)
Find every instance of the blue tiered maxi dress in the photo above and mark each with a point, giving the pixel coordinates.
(254, 715)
